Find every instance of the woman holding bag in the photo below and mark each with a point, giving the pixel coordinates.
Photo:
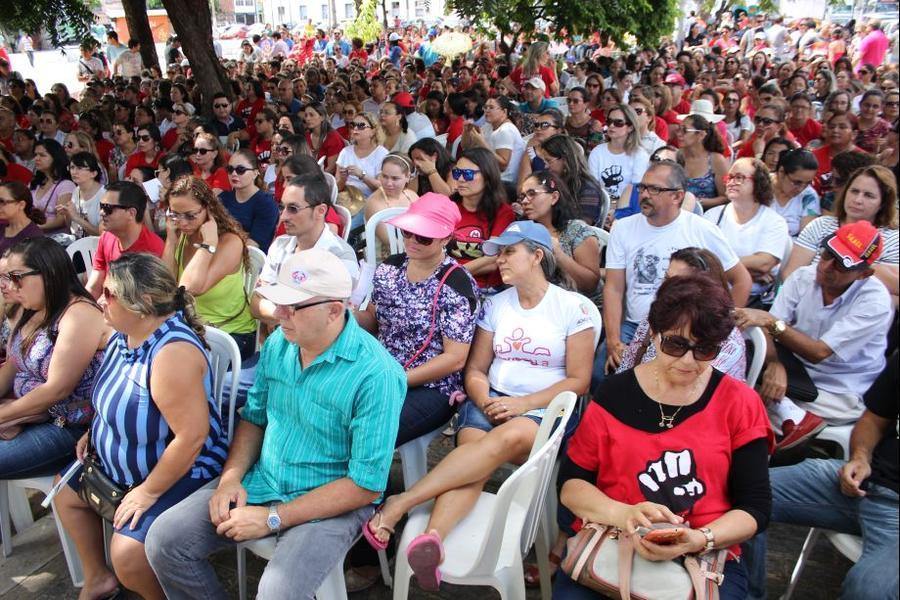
(701, 464)
(157, 435)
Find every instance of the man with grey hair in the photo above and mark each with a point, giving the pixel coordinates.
(637, 257)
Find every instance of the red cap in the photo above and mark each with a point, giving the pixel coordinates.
(855, 244)
(404, 100)
(676, 78)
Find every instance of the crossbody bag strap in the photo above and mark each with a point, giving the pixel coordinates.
(434, 305)
(626, 559)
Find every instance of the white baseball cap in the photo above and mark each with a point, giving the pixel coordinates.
(313, 273)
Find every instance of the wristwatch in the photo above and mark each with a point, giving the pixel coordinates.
(273, 520)
(777, 328)
(208, 247)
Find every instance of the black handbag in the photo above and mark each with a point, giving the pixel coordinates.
(800, 386)
(99, 491)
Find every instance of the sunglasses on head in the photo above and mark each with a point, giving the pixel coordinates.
(677, 346)
(109, 209)
(464, 174)
(421, 239)
(203, 151)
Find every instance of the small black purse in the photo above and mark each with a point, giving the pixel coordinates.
(800, 386)
(99, 491)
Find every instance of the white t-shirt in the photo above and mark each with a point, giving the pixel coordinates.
(404, 141)
(88, 208)
(643, 251)
(371, 166)
(615, 171)
(805, 204)
(735, 128)
(420, 125)
(530, 344)
(284, 247)
(506, 137)
(766, 232)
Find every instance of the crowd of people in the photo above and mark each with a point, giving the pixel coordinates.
(740, 175)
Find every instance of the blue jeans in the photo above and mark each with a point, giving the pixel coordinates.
(424, 410)
(809, 494)
(41, 449)
(734, 586)
(626, 334)
(182, 538)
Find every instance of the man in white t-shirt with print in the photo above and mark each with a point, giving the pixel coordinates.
(638, 255)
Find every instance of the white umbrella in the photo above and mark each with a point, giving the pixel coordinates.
(452, 44)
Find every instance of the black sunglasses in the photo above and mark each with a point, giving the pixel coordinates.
(145, 137)
(16, 278)
(421, 239)
(677, 346)
(240, 169)
(109, 209)
(202, 151)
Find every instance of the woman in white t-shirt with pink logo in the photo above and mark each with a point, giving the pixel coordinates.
(534, 341)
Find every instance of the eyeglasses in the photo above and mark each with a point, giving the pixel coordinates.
(654, 190)
(421, 239)
(295, 307)
(530, 195)
(185, 216)
(677, 346)
(766, 121)
(240, 169)
(109, 209)
(616, 122)
(108, 294)
(144, 138)
(731, 100)
(47, 121)
(16, 278)
(293, 209)
(892, 104)
(464, 174)
(202, 151)
(544, 125)
(737, 178)
(357, 125)
(220, 105)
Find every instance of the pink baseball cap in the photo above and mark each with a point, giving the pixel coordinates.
(676, 79)
(433, 216)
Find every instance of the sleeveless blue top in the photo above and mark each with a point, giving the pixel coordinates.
(129, 432)
(705, 185)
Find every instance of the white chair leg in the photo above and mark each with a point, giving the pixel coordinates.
(385, 569)
(73, 561)
(19, 509)
(334, 587)
(402, 575)
(241, 572)
(5, 519)
(542, 551)
(511, 582)
(808, 546)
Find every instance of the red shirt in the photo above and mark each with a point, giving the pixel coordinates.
(139, 160)
(109, 248)
(7, 143)
(700, 448)
(248, 112)
(811, 130)
(455, 129)
(546, 74)
(471, 232)
(263, 151)
(671, 117)
(218, 179)
(746, 150)
(169, 139)
(16, 172)
(683, 107)
(331, 145)
(104, 148)
(822, 183)
(662, 128)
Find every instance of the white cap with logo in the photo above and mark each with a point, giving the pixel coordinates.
(312, 273)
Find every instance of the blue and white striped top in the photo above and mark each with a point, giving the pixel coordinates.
(128, 432)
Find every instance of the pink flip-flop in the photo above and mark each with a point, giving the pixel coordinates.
(369, 533)
(425, 554)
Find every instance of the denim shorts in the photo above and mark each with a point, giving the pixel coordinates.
(471, 416)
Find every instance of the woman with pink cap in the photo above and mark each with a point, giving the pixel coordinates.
(423, 310)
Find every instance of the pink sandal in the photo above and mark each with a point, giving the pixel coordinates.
(370, 534)
(425, 554)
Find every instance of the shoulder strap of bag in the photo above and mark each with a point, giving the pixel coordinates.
(707, 573)
(434, 304)
(721, 214)
(626, 559)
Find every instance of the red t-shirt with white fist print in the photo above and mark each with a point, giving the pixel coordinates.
(685, 468)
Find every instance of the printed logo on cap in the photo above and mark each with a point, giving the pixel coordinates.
(299, 277)
(514, 227)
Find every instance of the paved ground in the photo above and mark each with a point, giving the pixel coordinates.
(37, 567)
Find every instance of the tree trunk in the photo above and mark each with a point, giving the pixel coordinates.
(384, 13)
(193, 25)
(139, 28)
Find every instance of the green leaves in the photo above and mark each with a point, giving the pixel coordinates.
(60, 18)
(365, 26)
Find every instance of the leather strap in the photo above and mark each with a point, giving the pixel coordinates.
(587, 553)
(626, 559)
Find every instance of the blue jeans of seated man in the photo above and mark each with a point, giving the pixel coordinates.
(626, 334)
(734, 585)
(40, 449)
(182, 538)
(809, 494)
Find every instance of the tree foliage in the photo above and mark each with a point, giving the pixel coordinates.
(647, 20)
(59, 18)
(365, 26)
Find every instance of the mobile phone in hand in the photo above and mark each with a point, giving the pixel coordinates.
(662, 534)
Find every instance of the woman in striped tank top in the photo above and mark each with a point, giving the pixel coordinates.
(157, 432)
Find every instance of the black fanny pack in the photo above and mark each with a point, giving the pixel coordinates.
(99, 491)
(800, 386)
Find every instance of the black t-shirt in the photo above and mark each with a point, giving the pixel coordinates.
(883, 400)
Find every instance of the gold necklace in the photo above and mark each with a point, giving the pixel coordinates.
(666, 421)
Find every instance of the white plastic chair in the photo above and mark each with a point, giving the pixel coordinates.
(86, 247)
(332, 185)
(487, 546)
(760, 346)
(225, 360)
(394, 237)
(602, 233)
(561, 104)
(333, 588)
(346, 218)
(257, 260)
(441, 139)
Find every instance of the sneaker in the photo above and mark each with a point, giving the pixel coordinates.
(797, 433)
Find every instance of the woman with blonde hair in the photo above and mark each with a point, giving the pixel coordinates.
(395, 175)
(537, 63)
(621, 160)
(358, 165)
(206, 248)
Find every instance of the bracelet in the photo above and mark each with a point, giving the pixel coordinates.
(710, 538)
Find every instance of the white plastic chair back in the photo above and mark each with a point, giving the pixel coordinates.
(394, 237)
(603, 235)
(561, 104)
(86, 247)
(332, 185)
(840, 435)
(257, 260)
(225, 362)
(441, 139)
(346, 218)
(760, 346)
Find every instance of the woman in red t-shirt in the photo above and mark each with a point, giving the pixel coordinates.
(149, 152)
(324, 141)
(485, 213)
(537, 63)
(840, 131)
(208, 162)
(701, 464)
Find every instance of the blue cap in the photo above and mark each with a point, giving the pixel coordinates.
(516, 232)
